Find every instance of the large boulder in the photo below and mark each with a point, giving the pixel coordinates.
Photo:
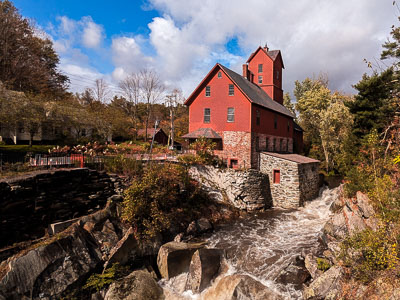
(174, 258)
(204, 266)
(139, 285)
(240, 287)
(48, 270)
(326, 286)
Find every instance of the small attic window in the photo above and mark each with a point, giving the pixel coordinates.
(208, 91)
(260, 68)
(219, 74)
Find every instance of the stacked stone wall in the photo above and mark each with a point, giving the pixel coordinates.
(29, 204)
(285, 194)
(309, 181)
(244, 189)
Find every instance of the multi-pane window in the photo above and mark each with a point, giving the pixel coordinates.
(231, 90)
(260, 79)
(258, 117)
(277, 74)
(207, 115)
(219, 74)
(260, 68)
(275, 122)
(231, 114)
(208, 91)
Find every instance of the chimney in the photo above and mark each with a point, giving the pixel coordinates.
(246, 71)
(266, 47)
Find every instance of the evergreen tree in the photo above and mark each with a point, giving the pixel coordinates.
(373, 107)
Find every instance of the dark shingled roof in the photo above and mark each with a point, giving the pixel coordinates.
(273, 54)
(256, 94)
(202, 132)
(300, 159)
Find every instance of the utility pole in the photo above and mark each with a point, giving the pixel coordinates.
(155, 131)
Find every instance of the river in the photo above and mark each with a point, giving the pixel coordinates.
(262, 245)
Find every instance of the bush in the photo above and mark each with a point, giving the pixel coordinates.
(164, 196)
(323, 264)
(370, 251)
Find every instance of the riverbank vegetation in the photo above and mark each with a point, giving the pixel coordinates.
(358, 137)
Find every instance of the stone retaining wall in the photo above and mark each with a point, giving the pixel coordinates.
(248, 190)
(29, 204)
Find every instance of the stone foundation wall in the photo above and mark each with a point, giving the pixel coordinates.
(309, 181)
(285, 194)
(29, 204)
(247, 190)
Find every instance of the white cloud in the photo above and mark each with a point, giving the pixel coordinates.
(92, 35)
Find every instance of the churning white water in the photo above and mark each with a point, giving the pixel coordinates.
(264, 244)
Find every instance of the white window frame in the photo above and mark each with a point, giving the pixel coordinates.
(231, 115)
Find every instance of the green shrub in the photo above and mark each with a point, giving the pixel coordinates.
(323, 264)
(163, 196)
(370, 251)
(100, 281)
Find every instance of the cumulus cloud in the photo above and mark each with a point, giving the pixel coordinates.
(92, 35)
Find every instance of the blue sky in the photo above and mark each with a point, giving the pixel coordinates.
(183, 39)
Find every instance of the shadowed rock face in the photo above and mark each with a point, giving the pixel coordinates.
(62, 261)
(48, 270)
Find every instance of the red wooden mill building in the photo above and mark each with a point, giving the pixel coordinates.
(244, 113)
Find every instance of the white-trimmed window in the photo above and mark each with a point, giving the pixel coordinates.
(207, 115)
(260, 68)
(260, 79)
(208, 91)
(231, 90)
(231, 114)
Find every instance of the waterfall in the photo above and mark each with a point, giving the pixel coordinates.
(262, 245)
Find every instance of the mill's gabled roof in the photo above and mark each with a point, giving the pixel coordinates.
(253, 92)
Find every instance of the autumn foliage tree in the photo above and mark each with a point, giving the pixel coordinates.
(28, 62)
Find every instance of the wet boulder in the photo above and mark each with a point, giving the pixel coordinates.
(204, 266)
(139, 285)
(235, 287)
(174, 258)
